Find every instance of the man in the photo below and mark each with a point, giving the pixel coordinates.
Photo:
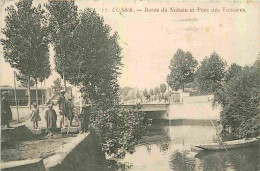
(219, 128)
(51, 117)
(70, 108)
(62, 107)
(6, 113)
(84, 117)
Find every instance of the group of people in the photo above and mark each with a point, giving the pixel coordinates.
(65, 106)
(65, 110)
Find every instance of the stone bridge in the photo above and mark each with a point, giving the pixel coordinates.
(148, 107)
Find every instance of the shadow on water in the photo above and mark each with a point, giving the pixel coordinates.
(236, 159)
(179, 152)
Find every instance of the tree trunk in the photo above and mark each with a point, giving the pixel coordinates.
(65, 89)
(183, 88)
(36, 84)
(29, 93)
(42, 97)
(16, 104)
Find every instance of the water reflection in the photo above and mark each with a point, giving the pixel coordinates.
(180, 154)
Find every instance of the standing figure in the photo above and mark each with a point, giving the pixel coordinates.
(35, 115)
(6, 113)
(62, 108)
(219, 128)
(51, 117)
(84, 117)
(70, 108)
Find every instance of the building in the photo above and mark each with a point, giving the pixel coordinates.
(22, 95)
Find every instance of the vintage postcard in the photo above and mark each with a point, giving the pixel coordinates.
(130, 85)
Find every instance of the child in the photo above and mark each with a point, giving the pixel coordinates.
(35, 116)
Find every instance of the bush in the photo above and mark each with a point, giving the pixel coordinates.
(119, 130)
(240, 99)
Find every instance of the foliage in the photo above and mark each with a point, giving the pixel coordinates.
(157, 91)
(151, 92)
(122, 131)
(240, 99)
(233, 70)
(95, 65)
(63, 20)
(182, 67)
(24, 80)
(26, 44)
(163, 88)
(210, 74)
(57, 87)
(145, 93)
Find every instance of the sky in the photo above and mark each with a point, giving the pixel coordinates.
(150, 39)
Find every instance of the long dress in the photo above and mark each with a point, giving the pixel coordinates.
(62, 105)
(6, 112)
(51, 118)
(35, 115)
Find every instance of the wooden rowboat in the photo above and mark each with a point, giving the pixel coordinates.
(230, 144)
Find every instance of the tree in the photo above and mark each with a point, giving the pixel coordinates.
(210, 74)
(233, 70)
(145, 93)
(157, 91)
(23, 79)
(95, 65)
(163, 88)
(151, 92)
(26, 43)
(240, 99)
(63, 21)
(182, 67)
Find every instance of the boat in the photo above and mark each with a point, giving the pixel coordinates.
(246, 142)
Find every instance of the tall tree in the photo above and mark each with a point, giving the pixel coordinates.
(240, 99)
(26, 42)
(182, 67)
(233, 70)
(63, 21)
(145, 93)
(95, 64)
(210, 74)
(151, 92)
(163, 88)
(157, 91)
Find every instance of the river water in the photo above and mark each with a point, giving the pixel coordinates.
(178, 152)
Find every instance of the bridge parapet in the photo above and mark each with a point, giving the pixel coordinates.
(148, 107)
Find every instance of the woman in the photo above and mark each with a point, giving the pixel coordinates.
(51, 117)
(35, 115)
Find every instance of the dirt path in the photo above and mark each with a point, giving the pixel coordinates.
(41, 146)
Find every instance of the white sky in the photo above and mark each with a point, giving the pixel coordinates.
(149, 40)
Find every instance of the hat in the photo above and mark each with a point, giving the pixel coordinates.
(62, 92)
(70, 99)
(34, 104)
(218, 121)
(50, 104)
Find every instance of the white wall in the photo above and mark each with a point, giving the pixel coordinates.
(199, 110)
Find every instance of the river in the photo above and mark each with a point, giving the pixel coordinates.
(178, 152)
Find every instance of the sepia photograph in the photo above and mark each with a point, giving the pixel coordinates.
(135, 85)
